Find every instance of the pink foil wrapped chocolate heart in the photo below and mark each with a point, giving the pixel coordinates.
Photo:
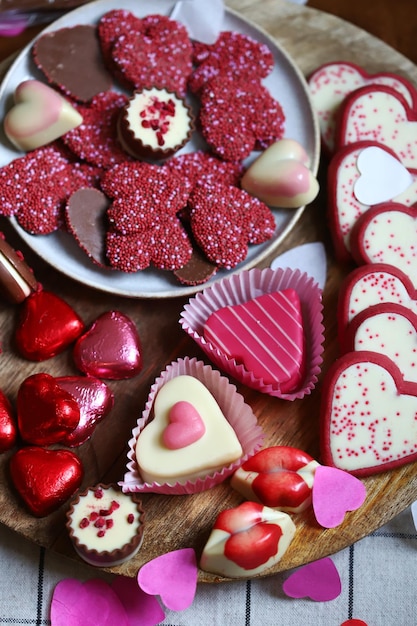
(110, 348)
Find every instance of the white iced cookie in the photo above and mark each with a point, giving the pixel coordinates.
(40, 115)
(188, 437)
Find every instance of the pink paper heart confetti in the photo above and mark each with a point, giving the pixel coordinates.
(86, 604)
(172, 576)
(335, 492)
(141, 608)
(319, 581)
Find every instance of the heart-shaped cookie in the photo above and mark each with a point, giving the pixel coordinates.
(330, 83)
(387, 233)
(368, 414)
(389, 329)
(110, 348)
(247, 540)
(216, 448)
(95, 400)
(379, 113)
(8, 429)
(372, 284)
(344, 174)
(46, 412)
(40, 115)
(45, 479)
(280, 477)
(47, 326)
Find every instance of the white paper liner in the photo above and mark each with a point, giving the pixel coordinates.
(238, 413)
(249, 284)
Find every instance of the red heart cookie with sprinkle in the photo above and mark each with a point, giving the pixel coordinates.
(382, 114)
(368, 414)
(110, 348)
(47, 326)
(373, 284)
(279, 477)
(45, 479)
(8, 430)
(247, 540)
(330, 83)
(387, 233)
(46, 412)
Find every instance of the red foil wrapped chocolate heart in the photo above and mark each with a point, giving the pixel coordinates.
(95, 400)
(8, 428)
(46, 327)
(110, 348)
(44, 478)
(46, 413)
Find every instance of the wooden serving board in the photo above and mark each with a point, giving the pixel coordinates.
(311, 38)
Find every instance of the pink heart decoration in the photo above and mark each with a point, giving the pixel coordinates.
(110, 348)
(335, 492)
(172, 576)
(86, 604)
(185, 427)
(141, 608)
(319, 581)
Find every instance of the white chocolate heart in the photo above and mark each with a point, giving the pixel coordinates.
(382, 176)
(40, 115)
(216, 448)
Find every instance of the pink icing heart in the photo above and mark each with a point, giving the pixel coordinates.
(141, 608)
(387, 233)
(334, 493)
(86, 604)
(319, 581)
(110, 348)
(185, 427)
(172, 576)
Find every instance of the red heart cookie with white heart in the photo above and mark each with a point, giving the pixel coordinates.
(46, 412)
(95, 400)
(382, 114)
(45, 479)
(372, 284)
(40, 115)
(330, 83)
(47, 326)
(280, 477)
(110, 348)
(8, 427)
(387, 233)
(361, 175)
(389, 329)
(247, 540)
(368, 414)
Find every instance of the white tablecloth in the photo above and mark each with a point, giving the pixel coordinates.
(378, 574)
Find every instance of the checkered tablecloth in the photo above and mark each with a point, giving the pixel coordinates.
(378, 574)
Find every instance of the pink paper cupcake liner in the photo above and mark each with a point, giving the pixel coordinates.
(238, 413)
(244, 286)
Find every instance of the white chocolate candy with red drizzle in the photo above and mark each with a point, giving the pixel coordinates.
(247, 540)
(154, 124)
(179, 445)
(40, 115)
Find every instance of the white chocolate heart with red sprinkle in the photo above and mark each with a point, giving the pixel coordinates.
(40, 115)
(387, 233)
(368, 415)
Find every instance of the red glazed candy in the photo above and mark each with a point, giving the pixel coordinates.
(44, 478)
(46, 412)
(8, 430)
(47, 326)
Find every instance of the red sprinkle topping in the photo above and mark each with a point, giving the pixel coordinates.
(98, 494)
(130, 518)
(84, 522)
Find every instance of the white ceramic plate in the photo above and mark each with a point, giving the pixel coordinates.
(285, 83)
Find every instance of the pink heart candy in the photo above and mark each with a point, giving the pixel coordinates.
(185, 427)
(86, 604)
(334, 493)
(172, 576)
(110, 348)
(319, 581)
